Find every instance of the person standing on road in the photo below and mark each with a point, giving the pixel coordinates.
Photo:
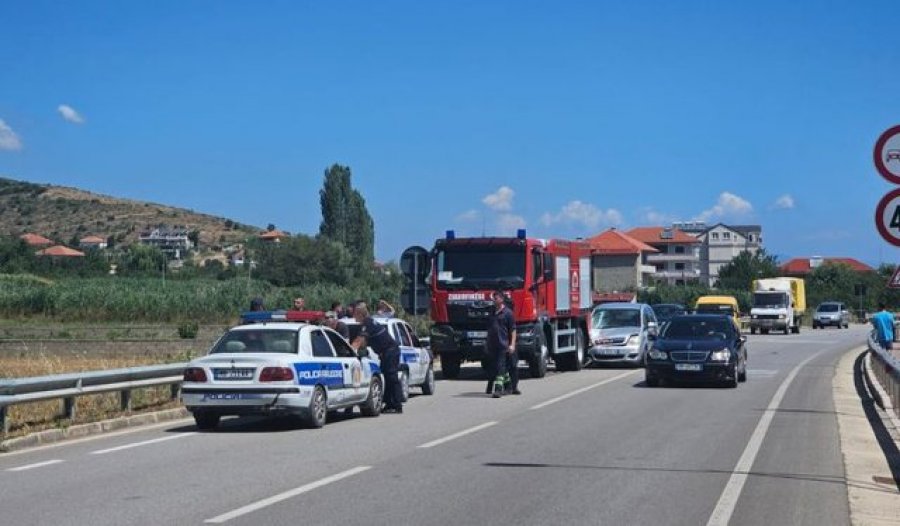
(379, 339)
(883, 321)
(501, 349)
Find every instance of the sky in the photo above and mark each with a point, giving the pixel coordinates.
(564, 118)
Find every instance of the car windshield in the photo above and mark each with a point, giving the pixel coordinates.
(667, 311)
(481, 267)
(770, 299)
(613, 318)
(697, 329)
(828, 307)
(715, 308)
(257, 341)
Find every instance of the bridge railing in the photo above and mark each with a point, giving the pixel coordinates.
(887, 370)
(67, 387)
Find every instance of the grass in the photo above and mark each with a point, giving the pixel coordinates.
(28, 418)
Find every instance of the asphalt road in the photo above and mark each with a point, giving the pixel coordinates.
(592, 447)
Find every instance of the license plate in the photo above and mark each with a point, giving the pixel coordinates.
(476, 343)
(233, 374)
(611, 352)
(232, 396)
(688, 367)
(477, 334)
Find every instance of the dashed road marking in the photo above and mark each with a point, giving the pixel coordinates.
(582, 390)
(454, 436)
(36, 465)
(142, 443)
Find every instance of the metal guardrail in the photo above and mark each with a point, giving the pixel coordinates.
(887, 369)
(70, 386)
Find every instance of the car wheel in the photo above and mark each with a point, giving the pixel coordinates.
(428, 385)
(752, 330)
(573, 361)
(742, 376)
(732, 382)
(404, 385)
(651, 380)
(764, 331)
(537, 364)
(206, 421)
(318, 408)
(450, 366)
(372, 405)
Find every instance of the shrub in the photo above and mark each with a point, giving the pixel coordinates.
(187, 330)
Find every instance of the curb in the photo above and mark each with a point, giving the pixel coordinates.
(51, 436)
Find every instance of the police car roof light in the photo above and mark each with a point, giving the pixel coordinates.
(281, 315)
(305, 315)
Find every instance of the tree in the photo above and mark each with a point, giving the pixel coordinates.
(739, 273)
(303, 261)
(345, 218)
(141, 260)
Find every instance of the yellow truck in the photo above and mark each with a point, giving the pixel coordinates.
(719, 305)
(778, 304)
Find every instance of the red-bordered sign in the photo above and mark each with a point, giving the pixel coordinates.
(887, 155)
(887, 217)
(894, 282)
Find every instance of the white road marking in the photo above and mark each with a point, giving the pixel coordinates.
(36, 465)
(142, 443)
(721, 515)
(258, 505)
(582, 390)
(457, 435)
(762, 372)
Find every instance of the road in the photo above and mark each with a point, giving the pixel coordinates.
(595, 446)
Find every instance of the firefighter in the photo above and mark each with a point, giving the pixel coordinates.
(501, 348)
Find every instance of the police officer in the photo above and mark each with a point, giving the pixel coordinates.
(380, 340)
(501, 347)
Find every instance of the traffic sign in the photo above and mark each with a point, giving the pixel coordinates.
(894, 282)
(887, 217)
(887, 155)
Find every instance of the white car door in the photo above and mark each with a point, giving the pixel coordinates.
(356, 377)
(408, 354)
(329, 370)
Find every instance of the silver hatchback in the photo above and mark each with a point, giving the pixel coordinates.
(831, 314)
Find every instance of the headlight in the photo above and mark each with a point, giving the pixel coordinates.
(720, 356)
(755, 316)
(658, 355)
(633, 340)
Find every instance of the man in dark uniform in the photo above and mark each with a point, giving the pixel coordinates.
(501, 348)
(379, 339)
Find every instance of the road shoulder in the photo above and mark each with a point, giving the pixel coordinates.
(871, 490)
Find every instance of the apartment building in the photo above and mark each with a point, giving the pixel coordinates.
(619, 262)
(719, 244)
(677, 257)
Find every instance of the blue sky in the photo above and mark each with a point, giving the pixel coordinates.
(565, 118)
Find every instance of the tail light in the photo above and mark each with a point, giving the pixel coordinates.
(276, 374)
(194, 374)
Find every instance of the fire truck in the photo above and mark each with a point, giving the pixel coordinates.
(548, 282)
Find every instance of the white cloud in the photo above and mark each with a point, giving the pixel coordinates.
(501, 200)
(509, 223)
(583, 214)
(8, 138)
(651, 216)
(784, 202)
(468, 216)
(728, 205)
(68, 113)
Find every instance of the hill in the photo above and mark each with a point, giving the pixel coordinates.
(63, 214)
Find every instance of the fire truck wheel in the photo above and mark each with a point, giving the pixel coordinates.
(537, 364)
(450, 366)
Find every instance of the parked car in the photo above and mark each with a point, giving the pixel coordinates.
(275, 366)
(620, 333)
(698, 347)
(666, 311)
(831, 313)
(415, 360)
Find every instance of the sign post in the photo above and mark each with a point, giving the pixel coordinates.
(886, 156)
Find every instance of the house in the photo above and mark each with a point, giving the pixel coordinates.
(619, 262)
(800, 267)
(272, 236)
(171, 241)
(236, 258)
(677, 260)
(719, 244)
(60, 251)
(35, 240)
(92, 243)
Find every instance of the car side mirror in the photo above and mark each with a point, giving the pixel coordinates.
(742, 339)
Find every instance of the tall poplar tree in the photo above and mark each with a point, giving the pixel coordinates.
(345, 218)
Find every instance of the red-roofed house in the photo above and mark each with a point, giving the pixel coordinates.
(273, 236)
(92, 242)
(619, 262)
(799, 267)
(35, 240)
(678, 258)
(60, 251)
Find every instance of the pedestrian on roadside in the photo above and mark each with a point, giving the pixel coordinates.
(299, 304)
(338, 309)
(376, 336)
(385, 309)
(332, 322)
(503, 375)
(883, 321)
(256, 304)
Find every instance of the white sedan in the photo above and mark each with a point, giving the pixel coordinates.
(281, 368)
(416, 367)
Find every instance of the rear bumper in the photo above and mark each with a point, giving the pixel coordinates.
(710, 372)
(828, 322)
(630, 355)
(768, 324)
(231, 401)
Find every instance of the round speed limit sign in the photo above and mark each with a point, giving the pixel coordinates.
(887, 217)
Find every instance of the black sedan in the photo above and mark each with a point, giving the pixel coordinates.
(699, 348)
(666, 311)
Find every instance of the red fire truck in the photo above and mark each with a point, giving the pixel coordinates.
(548, 281)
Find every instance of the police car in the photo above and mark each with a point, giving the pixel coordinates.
(415, 360)
(279, 363)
